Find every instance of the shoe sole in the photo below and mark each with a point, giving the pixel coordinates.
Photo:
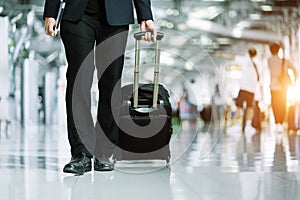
(104, 169)
(87, 169)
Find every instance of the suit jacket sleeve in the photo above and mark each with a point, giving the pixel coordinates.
(143, 10)
(51, 8)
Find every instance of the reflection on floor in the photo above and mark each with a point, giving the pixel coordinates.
(206, 164)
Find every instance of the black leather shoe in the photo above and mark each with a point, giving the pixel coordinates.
(103, 166)
(78, 164)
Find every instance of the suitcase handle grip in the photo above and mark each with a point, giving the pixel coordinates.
(139, 35)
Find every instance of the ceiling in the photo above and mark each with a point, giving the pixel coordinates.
(195, 29)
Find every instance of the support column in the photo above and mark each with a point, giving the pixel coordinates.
(4, 57)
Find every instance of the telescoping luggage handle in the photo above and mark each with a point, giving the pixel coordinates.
(138, 36)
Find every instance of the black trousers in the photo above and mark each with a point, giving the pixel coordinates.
(80, 39)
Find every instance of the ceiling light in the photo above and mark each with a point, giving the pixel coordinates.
(243, 24)
(16, 18)
(224, 41)
(199, 24)
(255, 16)
(232, 13)
(173, 12)
(237, 33)
(168, 58)
(258, 0)
(205, 13)
(188, 66)
(266, 8)
(215, 0)
(205, 40)
(30, 18)
(167, 24)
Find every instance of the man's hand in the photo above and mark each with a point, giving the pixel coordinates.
(148, 26)
(50, 23)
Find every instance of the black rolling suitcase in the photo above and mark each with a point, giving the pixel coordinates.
(294, 117)
(145, 115)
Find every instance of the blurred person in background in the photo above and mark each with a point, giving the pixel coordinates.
(248, 84)
(218, 106)
(278, 91)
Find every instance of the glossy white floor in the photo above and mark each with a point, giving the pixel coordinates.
(206, 164)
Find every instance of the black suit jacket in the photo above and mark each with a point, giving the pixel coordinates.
(118, 12)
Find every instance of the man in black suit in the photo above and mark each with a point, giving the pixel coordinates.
(87, 23)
